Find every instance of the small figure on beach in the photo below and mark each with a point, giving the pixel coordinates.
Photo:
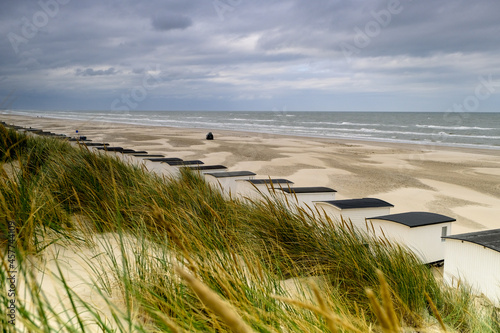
(210, 136)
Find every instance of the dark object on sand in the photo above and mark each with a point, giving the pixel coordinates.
(210, 136)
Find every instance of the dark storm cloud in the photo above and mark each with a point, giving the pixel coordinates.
(170, 22)
(245, 49)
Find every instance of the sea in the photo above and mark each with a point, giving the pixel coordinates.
(456, 129)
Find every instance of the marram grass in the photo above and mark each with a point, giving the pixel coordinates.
(102, 246)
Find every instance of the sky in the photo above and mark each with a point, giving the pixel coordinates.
(267, 55)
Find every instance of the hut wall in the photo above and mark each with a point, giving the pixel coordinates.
(478, 266)
(356, 215)
(424, 241)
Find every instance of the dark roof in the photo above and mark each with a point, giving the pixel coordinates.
(110, 148)
(415, 219)
(80, 139)
(318, 189)
(358, 203)
(206, 167)
(486, 238)
(269, 181)
(181, 163)
(131, 151)
(164, 159)
(231, 174)
(149, 155)
(96, 144)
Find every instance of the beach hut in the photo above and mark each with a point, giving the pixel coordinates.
(162, 159)
(110, 149)
(132, 151)
(255, 188)
(96, 144)
(183, 163)
(202, 169)
(148, 155)
(355, 210)
(227, 180)
(154, 164)
(474, 258)
(308, 195)
(172, 168)
(420, 231)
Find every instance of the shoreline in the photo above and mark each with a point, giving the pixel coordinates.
(424, 143)
(463, 183)
(378, 142)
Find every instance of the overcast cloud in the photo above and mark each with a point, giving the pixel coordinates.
(381, 55)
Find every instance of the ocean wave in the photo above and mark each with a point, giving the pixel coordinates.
(458, 128)
(348, 123)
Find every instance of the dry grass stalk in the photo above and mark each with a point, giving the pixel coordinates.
(387, 301)
(215, 303)
(332, 326)
(174, 234)
(172, 326)
(380, 312)
(327, 314)
(436, 312)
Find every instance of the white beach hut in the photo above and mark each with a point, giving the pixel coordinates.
(227, 180)
(420, 231)
(474, 258)
(308, 195)
(173, 167)
(202, 169)
(355, 210)
(156, 165)
(255, 188)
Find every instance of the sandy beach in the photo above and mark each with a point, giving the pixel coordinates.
(458, 182)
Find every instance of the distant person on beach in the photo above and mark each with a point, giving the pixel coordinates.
(210, 136)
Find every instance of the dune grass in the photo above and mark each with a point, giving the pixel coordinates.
(175, 255)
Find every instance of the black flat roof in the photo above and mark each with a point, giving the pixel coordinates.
(149, 155)
(110, 148)
(132, 151)
(486, 238)
(182, 163)
(206, 167)
(358, 203)
(415, 219)
(96, 144)
(231, 174)
(269, 181)
(163, 159)
(316, 189)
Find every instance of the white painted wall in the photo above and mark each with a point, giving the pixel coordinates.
(249, 190)
(228, 185)
(424, 241)
(478, 266)
(356, 215)
(309, 198)
(202, 172)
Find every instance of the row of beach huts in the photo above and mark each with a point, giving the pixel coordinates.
(471, 258)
